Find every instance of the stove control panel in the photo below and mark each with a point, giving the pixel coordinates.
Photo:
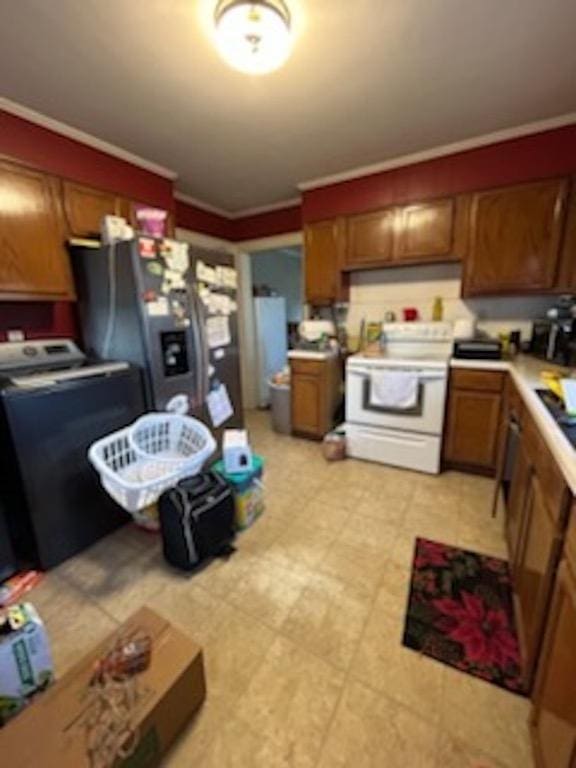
(39, 354)
(429, 332)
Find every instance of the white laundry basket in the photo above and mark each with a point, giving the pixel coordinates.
(137, 463)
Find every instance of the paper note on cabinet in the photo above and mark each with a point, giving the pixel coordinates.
(219, 405)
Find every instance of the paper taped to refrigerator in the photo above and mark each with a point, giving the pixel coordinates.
(218, 331)
(158, 308)
(205, 273)
(219, 405)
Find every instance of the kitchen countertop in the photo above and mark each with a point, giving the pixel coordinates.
(525, 371)
(311, 354)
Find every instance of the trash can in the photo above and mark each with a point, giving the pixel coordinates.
(280, 407)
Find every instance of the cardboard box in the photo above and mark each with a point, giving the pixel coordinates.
(25, 659)
(108, 712)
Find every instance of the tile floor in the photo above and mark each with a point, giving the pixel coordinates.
(301, 627)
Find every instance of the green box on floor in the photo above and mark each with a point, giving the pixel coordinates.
(248, 491)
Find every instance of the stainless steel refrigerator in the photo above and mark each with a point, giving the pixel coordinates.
(170, 309)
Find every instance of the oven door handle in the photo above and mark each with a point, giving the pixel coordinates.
(422, 376)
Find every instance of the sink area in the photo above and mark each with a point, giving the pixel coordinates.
(556, 407)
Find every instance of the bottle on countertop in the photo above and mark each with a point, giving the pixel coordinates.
(438, 309)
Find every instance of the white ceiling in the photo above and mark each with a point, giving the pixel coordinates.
(368, 80)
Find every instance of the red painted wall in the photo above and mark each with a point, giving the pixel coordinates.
(541, 155)
(247, 228)
(39, 319)
(65, 157)
(190, 217)
(267, 224)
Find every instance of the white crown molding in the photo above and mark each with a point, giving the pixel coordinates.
(84, 138)
(448, 149)
(291, 202)
(232, 215)
(183, 198)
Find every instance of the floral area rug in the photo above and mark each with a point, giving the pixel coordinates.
(460, 612)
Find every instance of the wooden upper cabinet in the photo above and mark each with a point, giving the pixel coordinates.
(425, 231)
(34, 263)
(370, 238)
(515, 237)
(567, 270)
(323, 256)
(85, 207)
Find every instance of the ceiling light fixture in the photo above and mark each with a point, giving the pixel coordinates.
(253, 37)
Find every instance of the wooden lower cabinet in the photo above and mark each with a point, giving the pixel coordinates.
(473, 420)
(315, 395)
(553, 721)
(533, 571)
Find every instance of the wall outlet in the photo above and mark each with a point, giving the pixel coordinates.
(15, 335)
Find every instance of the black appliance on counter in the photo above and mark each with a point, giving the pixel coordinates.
(170, 309)
(479, 348)
(554, 339)
(53, 405)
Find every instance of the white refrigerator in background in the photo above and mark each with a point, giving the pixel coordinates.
(271, 341)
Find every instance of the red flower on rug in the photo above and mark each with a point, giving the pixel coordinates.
(430, 553)
(484, 633)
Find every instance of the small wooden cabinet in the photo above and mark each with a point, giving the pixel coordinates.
(425, 232)
(370, 238)
(34, 263)
(85, 208)
(515, 238)
(324, 243)
(432, 231)
(473, 420)
(315, 393)
(553, 720)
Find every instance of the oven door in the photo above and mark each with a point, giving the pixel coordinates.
(428, 415)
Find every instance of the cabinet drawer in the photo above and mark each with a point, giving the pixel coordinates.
(486, 381)
(308, 367)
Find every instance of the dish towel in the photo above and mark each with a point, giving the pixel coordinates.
(397, 390)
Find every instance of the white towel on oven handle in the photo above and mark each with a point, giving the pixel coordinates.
(396, 390)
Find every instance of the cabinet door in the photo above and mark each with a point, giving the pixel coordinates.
(515, 239)
(306, 404)
(554, 713)
(533, 571)
(370, 239)
(567, 271)
(472, 428)
(33, 259)
(425, 231)
(324, 245)
(85, 208)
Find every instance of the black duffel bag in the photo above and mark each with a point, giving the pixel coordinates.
(197, 520)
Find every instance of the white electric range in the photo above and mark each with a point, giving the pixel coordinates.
(404, 437)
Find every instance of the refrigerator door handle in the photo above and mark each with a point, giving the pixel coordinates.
(201, 346)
